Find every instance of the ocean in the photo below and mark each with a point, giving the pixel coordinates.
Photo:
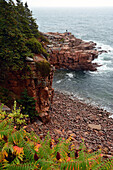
(89, 24)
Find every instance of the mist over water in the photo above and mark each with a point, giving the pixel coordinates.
(89, 24)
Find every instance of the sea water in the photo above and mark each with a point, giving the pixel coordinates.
(89, 24)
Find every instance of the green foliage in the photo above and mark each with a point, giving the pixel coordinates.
(44, 68)
(22, 150)
(17, 29)
(12, 42)
(27, 23)
(34, 45)
(16, 117)
(28, 104)
(42, 38)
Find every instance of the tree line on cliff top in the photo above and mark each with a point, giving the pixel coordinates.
(18, 36)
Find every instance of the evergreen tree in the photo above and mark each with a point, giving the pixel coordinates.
(17, 28)
(32, 22)
(23, 22)
(13, 50)
(26, 20)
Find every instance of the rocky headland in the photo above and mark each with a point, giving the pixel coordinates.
(65, 51)
(68, 52)
(65, 116)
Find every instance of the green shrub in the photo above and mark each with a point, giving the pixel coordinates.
(44, 52)
(28, 104)
(20, 150)
(41, 36)
(44, 68)
(16, 118)
(26, 151)
(34, 45)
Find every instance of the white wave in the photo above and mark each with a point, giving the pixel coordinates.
(59, 81)
(103, 60)
(111, 116)
(106, 47)
(70, 75)
(102, 46)
(105, 68)
(107, 58)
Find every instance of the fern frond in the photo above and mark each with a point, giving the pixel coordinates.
(29, 166)
(106, 165)
(46, 164)
(5, 132)
(3, 123)
(68, 165)
(16, 137)
(28, 150)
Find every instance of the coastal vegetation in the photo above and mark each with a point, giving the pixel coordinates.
(22, 150)
(19, 36)
(27, 104)
(19, 149)
(44, 68)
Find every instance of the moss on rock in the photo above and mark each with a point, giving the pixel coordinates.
(44, 68)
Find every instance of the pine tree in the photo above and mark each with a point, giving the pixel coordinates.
(17, 27)
(27, 23)
(23, 22)
(13, 50)
(32, 21)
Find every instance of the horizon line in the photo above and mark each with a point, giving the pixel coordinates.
(72, 6)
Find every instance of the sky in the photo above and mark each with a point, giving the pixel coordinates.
(68, 3)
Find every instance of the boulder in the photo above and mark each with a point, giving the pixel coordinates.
(93, 126)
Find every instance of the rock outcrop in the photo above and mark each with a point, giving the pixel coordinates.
(69, 52)
(37, 84)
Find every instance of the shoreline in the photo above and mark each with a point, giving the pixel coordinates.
(81, 121)
(82, 100)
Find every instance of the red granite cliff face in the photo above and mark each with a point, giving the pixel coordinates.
(68, 52)
(37, 86)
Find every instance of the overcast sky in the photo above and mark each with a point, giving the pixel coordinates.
(68, 3)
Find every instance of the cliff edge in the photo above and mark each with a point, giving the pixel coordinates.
(37, 82)
(68, 52)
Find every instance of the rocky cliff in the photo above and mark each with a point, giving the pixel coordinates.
(66, 52)
(38, 83)
(69, 52)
